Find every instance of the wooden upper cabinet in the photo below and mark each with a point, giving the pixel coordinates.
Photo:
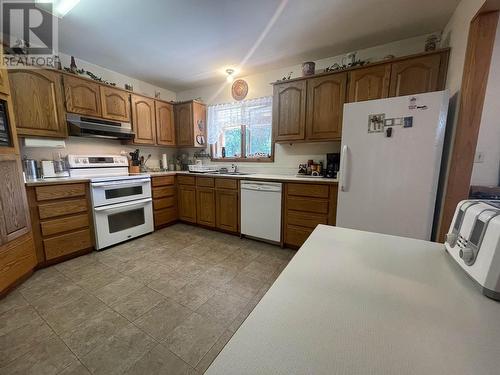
(205, 206)
(289, 111)
(115, 104)
(416, 75)
(82, 96)
(199, 124)
(191, 124)
(165, 127)
(184, 124)
(143, 120)
(37, 99)
(369, 83)
(325, 104)
(14, 215)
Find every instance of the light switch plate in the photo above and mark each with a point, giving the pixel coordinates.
(479, 157)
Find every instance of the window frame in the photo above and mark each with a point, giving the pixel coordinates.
(270, 159)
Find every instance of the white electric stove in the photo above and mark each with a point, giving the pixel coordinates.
(122, 204)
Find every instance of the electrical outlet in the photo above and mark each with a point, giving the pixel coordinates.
(479, 157)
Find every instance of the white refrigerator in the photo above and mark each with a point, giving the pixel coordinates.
(390, 162)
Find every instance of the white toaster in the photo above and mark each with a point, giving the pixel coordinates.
(474, 242)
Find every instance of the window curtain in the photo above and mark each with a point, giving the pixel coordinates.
(247, 112)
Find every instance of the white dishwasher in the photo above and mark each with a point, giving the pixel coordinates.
(261, 210)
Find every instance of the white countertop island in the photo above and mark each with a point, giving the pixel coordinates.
(353, 302)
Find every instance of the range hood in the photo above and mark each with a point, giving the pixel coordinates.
(82, 126)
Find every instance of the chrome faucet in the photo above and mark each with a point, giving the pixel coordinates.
(234, 167)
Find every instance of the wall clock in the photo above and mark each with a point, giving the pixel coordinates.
(239, 90)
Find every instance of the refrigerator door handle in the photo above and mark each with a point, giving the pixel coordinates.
(343, 162)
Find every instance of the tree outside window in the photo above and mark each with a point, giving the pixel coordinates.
(243, 129)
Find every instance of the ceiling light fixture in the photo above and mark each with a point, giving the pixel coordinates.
(230, 75)
(58, 8)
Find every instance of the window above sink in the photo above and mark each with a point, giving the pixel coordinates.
(241, 131)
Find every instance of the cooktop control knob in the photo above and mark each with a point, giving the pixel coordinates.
(467, 254)
(451, 238)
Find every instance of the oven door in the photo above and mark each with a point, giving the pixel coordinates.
(112, 192)
(123, 221)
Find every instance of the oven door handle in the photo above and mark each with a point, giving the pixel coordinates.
(119, 183)
(118, 206)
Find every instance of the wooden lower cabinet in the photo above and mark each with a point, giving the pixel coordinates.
(14, 217)
(61, 217)
(65, 244)
(307, 206)
(210, 202)
(205, 206)
(227, 210)
(17, 252)
(187, 202)
(17, 260)
(164, 200)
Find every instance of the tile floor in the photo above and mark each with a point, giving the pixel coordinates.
(166, 303)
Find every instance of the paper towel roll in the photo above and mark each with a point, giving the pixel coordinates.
(164, 162)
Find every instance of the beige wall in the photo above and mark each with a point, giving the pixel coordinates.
(287, 157)
(486, 172)
(140, 87)
(95, 146)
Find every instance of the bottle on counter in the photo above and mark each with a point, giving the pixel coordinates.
(223, 152)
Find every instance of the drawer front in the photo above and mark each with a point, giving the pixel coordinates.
(307, 220)
(166, 216)
(159, 204)
(296, 236)
(307, 205)
(65, 244)
(163, 180)
(65, 224)
(44, 193)
(186, 180)
(49, 210)
(205, 181)
(166, 191)
(226, 183)
(308, 190)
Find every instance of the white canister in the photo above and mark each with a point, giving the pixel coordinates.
(164, 161)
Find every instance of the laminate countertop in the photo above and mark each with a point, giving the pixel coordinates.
(251, 176)
(353, 302)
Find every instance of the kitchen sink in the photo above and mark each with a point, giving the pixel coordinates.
(235, 173)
